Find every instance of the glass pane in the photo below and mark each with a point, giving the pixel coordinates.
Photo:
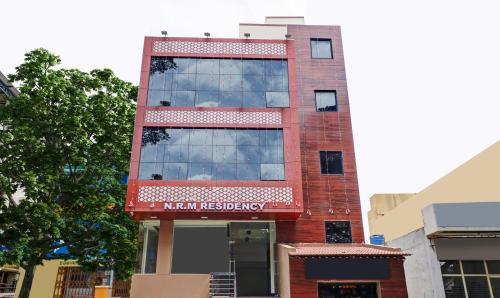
(274, 137)
(151, 250)
(272, 172)
(228, 66)
(338, 232)
(224, 137)
(254, 99)
(324, 49)
(450, 267)
(272, 154)
(477, 287)
(201, 137)
(321, 48)
(150, 171)
(157, 80)
(175, 171)
(248, 171)
(493, 267)
(152, 153)
(224, 154)
(473, 267)
(231, 99)
(208, 66)
(326, 101)
(248, 154)
(178, 136)
(200, 171)
(495, 286)
(200, 154)
(276, 83)
(253, 83)
(183, 98)
(155, 97)
(185, 65)
(207, 82)
(230, 82)
(184, 82)
(254, 67)
(225, 171)
(277, 99)
(453, 287)
(207, 98)
(276, 68)
(248, 137)
(176, 153)
(154, 136)
(331, 162)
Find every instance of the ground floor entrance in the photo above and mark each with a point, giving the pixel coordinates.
(347, 290)
(241, 250)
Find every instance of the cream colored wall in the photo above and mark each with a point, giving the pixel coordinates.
(284, 270)
(285, 20)
(262, 31)
(382, 203)
(477, 180)
(169, 286)
(44, 280)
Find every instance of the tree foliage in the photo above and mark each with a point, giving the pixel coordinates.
(65, 141)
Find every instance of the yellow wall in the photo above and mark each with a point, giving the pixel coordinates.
(44, 280)
(477, 180)
(383, 203)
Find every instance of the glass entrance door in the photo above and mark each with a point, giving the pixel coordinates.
(250, 252)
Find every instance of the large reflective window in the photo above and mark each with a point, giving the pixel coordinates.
(205, 82)
(211, 154)
(148, 246)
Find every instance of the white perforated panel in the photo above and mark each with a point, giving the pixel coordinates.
(220, 47)
(214, 117)
(215, 194)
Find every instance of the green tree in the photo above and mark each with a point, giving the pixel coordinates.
(65, 141)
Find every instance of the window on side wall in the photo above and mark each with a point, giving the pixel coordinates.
(331, 162)
(321, 48)
(338, 232)
(326, 101)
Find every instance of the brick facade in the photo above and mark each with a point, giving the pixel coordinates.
(300, 287)
(323, 131)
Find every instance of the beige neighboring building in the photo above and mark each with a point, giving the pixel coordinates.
(451, 229)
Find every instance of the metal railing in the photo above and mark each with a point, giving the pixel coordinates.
(222, 284)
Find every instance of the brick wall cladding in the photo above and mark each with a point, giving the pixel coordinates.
(300, 287)
(323, 131)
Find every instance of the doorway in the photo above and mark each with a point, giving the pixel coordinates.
(250, 255)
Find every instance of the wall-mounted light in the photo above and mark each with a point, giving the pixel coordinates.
(288, 35)
(246, 34)
(207, 34)
(164, 33)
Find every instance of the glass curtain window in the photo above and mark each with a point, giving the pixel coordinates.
(205, 82)
(467, 278)
(321, 48)
(211, 154)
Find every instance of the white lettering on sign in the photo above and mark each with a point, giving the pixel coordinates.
(214, 206)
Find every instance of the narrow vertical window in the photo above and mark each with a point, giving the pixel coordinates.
(338, 232)
(331, 162)
(321, 48)
(326, 101)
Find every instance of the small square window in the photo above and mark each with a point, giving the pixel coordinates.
(338, 232)
(331, 162)
(326, 101)
(321, 48)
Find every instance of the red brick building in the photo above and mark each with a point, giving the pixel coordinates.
(243, 173)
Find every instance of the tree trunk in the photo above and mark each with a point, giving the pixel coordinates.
(29, 273)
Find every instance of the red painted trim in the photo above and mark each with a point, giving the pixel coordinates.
(290, 126)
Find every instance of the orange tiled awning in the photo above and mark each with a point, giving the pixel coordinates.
(344, 250)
